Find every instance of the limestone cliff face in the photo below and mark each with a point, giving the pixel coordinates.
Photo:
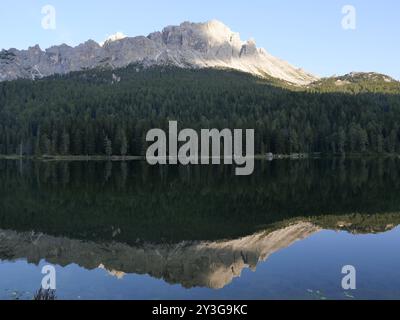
(189, 45)
(191, 264)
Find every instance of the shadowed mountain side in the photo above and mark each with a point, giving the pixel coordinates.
(191, 264)
(81, 113)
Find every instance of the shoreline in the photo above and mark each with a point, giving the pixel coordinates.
(269, 157)
(72, 158)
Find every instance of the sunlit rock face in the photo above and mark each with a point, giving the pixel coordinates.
(191, 264)
(189, 45)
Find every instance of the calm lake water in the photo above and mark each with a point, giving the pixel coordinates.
(130, 231)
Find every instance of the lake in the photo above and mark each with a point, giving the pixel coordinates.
(127, 230)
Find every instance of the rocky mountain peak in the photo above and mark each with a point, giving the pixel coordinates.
(190, 45)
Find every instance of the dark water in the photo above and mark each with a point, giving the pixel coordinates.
(131, 231)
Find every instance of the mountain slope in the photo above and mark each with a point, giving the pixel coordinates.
(190, 45)
(81, 112)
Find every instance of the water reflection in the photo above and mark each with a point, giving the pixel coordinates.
(192, 226)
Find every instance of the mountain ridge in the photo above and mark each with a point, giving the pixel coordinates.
(189, 45)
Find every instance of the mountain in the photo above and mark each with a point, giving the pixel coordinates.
(189, 45)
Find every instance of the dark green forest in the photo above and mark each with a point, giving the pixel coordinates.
(106, 112)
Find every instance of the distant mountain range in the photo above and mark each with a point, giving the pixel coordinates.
(190, 45)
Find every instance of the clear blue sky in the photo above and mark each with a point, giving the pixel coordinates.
(307, 33)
